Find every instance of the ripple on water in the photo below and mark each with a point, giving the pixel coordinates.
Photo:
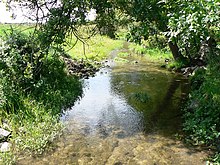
(107, 126)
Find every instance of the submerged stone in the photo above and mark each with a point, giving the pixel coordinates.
(4, 133)
(5, 147)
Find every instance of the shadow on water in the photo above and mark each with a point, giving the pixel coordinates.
(128, 115)
(155, 94)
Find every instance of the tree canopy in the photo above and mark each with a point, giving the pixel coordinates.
(186, 24)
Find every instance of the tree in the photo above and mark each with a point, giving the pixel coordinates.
(195, 24)
(186, 24)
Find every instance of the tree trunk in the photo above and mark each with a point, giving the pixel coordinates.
(175, 51)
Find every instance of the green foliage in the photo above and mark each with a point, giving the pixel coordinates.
(203, 109)
(158, 41)
(34, 89)
(153, 54)
(105, 18)
(194, 23)
(97, 48)
(136, 33)
(140, 97)
(198, 79)
(55, 89)
(120, 60)
(25, 28)
(61, 24)
(33, 127)
(7, 158)
(123, 54)
(21, 57)
(215, 159)
(137, 48)
(20, 64)
(177, 65)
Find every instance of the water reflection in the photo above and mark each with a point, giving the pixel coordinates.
(110, 126)
(108, 104)
(160, 96)
(101, 111)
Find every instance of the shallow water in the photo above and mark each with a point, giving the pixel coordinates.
(129, 114)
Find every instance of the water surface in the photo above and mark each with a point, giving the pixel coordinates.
(129, 114)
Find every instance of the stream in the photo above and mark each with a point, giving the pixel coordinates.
(129, 114)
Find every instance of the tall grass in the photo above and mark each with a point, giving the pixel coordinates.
(32, 98)
(202, 122)
(35, 123)
(96, 48)
(31, 105)
(154, 54)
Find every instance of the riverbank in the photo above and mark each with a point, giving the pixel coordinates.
(129, 114)
(33, 122)
(31, 104)
(201, 109)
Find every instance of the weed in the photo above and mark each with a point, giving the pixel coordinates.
(141, 97)
(203, 109)
(7, 158)
(34, 88)
(97, 48)
(153, 54)
(120, 60)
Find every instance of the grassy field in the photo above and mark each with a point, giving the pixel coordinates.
(20, 27)
(97, 48)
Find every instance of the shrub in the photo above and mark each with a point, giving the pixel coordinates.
(202, 122)
(34, 89)
(20, 63)
(158, 41)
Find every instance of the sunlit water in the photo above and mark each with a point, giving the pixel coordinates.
(129, 114)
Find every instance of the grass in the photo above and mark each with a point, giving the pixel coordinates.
(24, 28)
(97, 48)
(35, 122)
(31, 135)
(202, 110)
(34, 114)
(153, 54)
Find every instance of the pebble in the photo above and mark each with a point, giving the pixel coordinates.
(4, 133)
(5, 147)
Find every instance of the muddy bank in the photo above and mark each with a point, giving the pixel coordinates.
(81, 68)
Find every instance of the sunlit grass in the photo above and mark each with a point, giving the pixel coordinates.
(21, 27)
(97, 48)
(153, 54)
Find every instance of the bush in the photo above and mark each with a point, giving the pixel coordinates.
(56, 89)
(21, 58)
(158, 41)
(34, 89)
(20, 63)
(202, 122)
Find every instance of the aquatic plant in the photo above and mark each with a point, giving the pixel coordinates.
(140, 97)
